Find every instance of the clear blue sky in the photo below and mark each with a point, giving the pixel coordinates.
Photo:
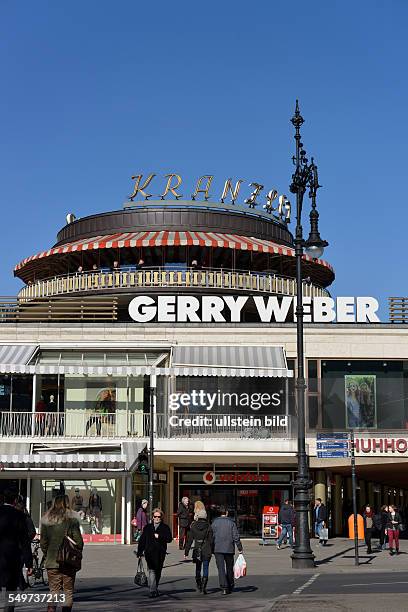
(95, 91)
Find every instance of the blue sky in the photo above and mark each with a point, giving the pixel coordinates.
(95, 91)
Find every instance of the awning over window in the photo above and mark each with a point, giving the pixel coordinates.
(168, 238)
(21, 457)
(16, 356)
(261, 361)
(77, 362)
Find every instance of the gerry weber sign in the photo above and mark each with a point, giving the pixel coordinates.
(229, 308)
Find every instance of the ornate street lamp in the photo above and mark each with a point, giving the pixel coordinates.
(304, 177)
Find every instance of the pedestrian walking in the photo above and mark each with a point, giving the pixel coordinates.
(201, 534)
(153, 545)
(286, 518)
(60, 521)
(320, 518)
(383, 528)
(198, 505)
(15, 548)
(141, 518)
(226, 537)
(393, 529)
(368, 518)
(184, 520)
(20, 505)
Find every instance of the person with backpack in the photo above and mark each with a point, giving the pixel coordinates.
(201, 534)
(60, 521)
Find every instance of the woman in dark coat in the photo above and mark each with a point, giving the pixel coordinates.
(153, 544)
(201, 534)
(15, 548)
(368, 516)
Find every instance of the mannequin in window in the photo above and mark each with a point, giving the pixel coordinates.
(95, 511)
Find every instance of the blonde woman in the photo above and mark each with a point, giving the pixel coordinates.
(56, 522)
(198, 507)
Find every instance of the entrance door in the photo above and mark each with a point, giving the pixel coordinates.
(249, 505)
(244, 504)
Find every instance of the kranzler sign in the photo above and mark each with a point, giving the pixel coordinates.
(230, 308)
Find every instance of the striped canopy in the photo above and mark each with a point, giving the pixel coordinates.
(168, 238)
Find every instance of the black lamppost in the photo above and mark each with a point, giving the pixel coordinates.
(304, 177)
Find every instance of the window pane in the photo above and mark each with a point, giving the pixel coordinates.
(312, 376)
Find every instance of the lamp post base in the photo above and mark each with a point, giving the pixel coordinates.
(303, 560)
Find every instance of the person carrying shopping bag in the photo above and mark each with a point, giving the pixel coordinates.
(202, 535)
(153, 545)
(226, 538)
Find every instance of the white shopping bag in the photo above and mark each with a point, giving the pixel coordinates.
(240, 567)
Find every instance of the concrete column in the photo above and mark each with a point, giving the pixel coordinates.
(370, 494)
(320, 485)
(123, 510)
(28, 498)
(337, 505)
(128, 526)
(362, 497)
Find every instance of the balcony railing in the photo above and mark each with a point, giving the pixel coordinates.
(160, 277)
(80, 424)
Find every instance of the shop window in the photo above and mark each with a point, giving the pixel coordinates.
(5, 392)
(363, 395)
(22, 389)
(312, 376)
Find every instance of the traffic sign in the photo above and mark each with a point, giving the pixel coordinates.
(333, 444)
(333, 454)
(341, 435)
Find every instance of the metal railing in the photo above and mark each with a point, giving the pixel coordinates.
(398, 309)
(126, 424)
(161, 277)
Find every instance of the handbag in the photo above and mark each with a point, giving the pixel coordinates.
(140, 578)
(69, 555)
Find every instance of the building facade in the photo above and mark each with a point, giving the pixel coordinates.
(166, 302)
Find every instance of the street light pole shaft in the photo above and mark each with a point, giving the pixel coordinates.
(302, 556)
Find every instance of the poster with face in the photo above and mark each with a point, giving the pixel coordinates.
(360, 401)
(102, 399)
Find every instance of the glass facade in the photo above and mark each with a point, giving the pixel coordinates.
(360, 394)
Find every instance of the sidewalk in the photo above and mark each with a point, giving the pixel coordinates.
(337, 556)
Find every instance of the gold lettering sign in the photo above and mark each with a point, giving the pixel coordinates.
(140, 189)
(173, 188)
(251, 201)
(200, 189)
(271, 196)
(228, 188)
(284, 208)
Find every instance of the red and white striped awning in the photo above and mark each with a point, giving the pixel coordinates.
(168, 238)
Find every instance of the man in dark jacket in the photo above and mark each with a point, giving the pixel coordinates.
(286, 520)
(153, 544)
(320, 518)
(15, 548)
(184, 520)
(226, 537)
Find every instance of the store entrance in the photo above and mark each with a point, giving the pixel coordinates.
(244, 504)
